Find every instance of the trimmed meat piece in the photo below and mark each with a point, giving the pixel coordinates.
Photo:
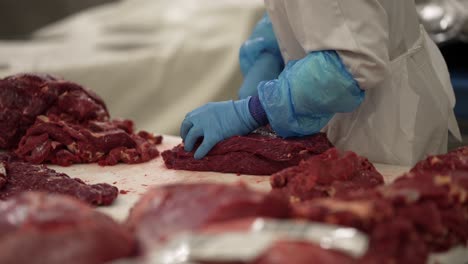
(25, 96)
(165, 211)
(42, 228)
(51, 120)
(107, 143)
(328, 174)
(17, 177)
(254, 154)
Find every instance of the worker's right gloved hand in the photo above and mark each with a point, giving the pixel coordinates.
(260, 57)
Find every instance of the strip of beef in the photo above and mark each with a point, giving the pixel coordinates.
(51, 120)
(328, 174)
(254, 154)
(17, 177)
(165, 211)
(107, 143)
(23, 97)
(42, 228)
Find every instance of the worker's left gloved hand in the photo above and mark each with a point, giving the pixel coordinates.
(216, 122)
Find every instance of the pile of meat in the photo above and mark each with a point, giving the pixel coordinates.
(259, 153)
(42, 228)
(423, 211)
(48, 120)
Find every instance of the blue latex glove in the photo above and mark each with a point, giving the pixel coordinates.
(308, 93)
(216, 122)
(266, 67)
(262, 40)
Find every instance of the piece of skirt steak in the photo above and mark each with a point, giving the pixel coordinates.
(329, 174)
(107, 143)
(165, 211)
(55, 229)
(17, 177)
(254, 154)
(48, 120)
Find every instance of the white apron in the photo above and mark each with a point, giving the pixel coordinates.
(408, 109)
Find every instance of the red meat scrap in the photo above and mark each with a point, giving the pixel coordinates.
(53, 229)
(329, 174)
(454, 160)
(165, 211)
(23, 97)
(17, 177)
(105, 142)
(46, 119)
(258, 153)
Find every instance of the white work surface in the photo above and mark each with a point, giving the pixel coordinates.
(135, 180)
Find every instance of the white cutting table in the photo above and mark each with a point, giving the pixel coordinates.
(135, 180)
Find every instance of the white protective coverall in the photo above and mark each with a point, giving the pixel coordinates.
(408, 109)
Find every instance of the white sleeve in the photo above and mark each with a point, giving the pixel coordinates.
(356, 29)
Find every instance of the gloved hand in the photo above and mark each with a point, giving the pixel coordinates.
(262, 40)
(216, 122)
(266, 67)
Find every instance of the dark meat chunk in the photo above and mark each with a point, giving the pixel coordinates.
(328, 174)
(454, 160)
(41, 228)
(164, 211)
(51, 120)
(17, 177)
(394, 237)
(25, 96)
(254, 154)
(59, 142)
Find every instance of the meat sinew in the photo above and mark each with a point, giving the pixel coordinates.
(254, 154)
(165, 211)
(41, 228)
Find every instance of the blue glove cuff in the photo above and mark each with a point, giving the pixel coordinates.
(257, 111)
(243, 112)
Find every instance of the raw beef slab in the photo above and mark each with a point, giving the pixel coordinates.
(328, 174)
(17, 177)
(54, 229)
(165, 211)
(254, 154)
(46, 119)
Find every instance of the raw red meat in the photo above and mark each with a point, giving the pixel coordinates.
(41, 228)
(17, 177)
(25, 96)
(166, 210)
(454, 160)
(328, 174)
(255, 154)
(107, 143)
(63, 123)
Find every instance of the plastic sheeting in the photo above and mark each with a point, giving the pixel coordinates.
(151, 61)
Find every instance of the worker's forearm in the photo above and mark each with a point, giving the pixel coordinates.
(308, 93)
